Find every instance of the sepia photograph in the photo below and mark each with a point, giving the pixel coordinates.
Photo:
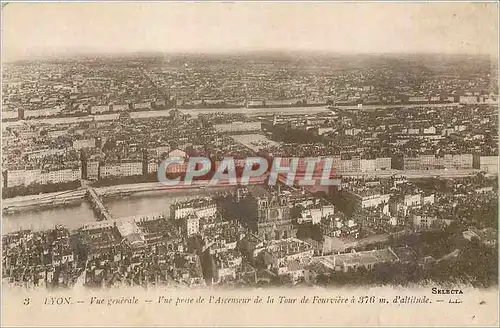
(249, 163)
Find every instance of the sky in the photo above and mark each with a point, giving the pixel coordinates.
(68, 28)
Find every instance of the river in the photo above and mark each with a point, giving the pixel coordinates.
(196, 112)
(71, 216)
(153, 201)
(75, 215)
(163, 113)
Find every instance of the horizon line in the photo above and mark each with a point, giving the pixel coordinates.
(65, 54)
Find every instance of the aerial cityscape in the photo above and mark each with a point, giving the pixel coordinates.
(412, 139)
(415, 147)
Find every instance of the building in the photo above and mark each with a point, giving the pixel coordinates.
(96, 225)
(314, 214)
(488, 164)
(458, 161)
(120, 107)
(132, 235)
(432, 162)
(192, 225)
(142, 106)
(124, 169)
(371, 165)
(92, 170)
(190, 274)
(468, 99)
(484, 190)
(27, 177)
(10, 114)
(255, 103)
(367, 165)
(357, 198)
(226, 266)
(200, 207)
(98, 109)
(45, 112)
(382, 163)
(352, 132)
(84, 143)
(152, 166)
(351, 262)
(430, 130)
(412, 200)
(418, 99)
(285, 257)
(236, 127)
(165, 150)
(428, 199)
(264, 212)
(422, 221)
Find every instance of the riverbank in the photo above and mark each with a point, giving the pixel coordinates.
(127, 189)
(240, 110)
(166, 113)
(16, 204)
(54, 199)
(65, 197)
(78, 212)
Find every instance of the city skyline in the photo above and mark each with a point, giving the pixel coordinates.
(50, 29)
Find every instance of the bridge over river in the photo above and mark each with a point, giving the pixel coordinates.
(97, 204)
